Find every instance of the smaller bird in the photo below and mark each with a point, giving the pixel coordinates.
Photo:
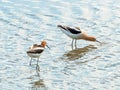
(75, 33)
(36, 49)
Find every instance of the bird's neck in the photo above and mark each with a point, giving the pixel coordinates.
(43, 45)
(89, 38)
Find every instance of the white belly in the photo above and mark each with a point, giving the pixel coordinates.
(34, 55)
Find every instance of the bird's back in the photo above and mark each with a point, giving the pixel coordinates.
(36, 48)
(72, 32)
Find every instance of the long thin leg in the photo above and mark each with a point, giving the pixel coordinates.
(72, 43)
(37, 66)
(37, 61)
(75, 43)
(30, 61)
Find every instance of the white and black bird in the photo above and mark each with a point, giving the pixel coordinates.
(36, 49)
(75, 33)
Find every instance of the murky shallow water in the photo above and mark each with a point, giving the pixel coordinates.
(92, 66)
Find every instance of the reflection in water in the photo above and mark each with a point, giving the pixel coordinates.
(24, 26)
(78, 53)
(38, 85)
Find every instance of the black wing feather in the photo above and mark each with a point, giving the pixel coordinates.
(35, 51)
(73, 31)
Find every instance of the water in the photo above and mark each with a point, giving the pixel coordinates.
(92, 66)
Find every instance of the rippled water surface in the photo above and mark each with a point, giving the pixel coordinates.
(92, 66)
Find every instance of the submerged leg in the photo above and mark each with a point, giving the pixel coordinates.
(37, 66)
(30, 61)
(37, 61)
(38, 70)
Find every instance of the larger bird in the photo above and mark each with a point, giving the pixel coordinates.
(75, 33)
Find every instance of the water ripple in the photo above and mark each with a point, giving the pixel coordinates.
(91, 66)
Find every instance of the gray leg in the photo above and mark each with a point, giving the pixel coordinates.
(30, 61)
(37, 66)
(72, 43)
(37, 61)
(75, 43)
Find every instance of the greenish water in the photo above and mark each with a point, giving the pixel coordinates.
(92, 66)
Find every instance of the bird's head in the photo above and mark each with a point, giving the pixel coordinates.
(44, 43)
(90, 38)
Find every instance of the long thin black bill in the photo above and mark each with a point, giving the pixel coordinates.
(98, 41)
(48, 46)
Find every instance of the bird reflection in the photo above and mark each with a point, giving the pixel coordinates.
(78, 53)
(38, 85)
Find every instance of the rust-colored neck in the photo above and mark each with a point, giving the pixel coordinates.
(89, 38)
(43, 45)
